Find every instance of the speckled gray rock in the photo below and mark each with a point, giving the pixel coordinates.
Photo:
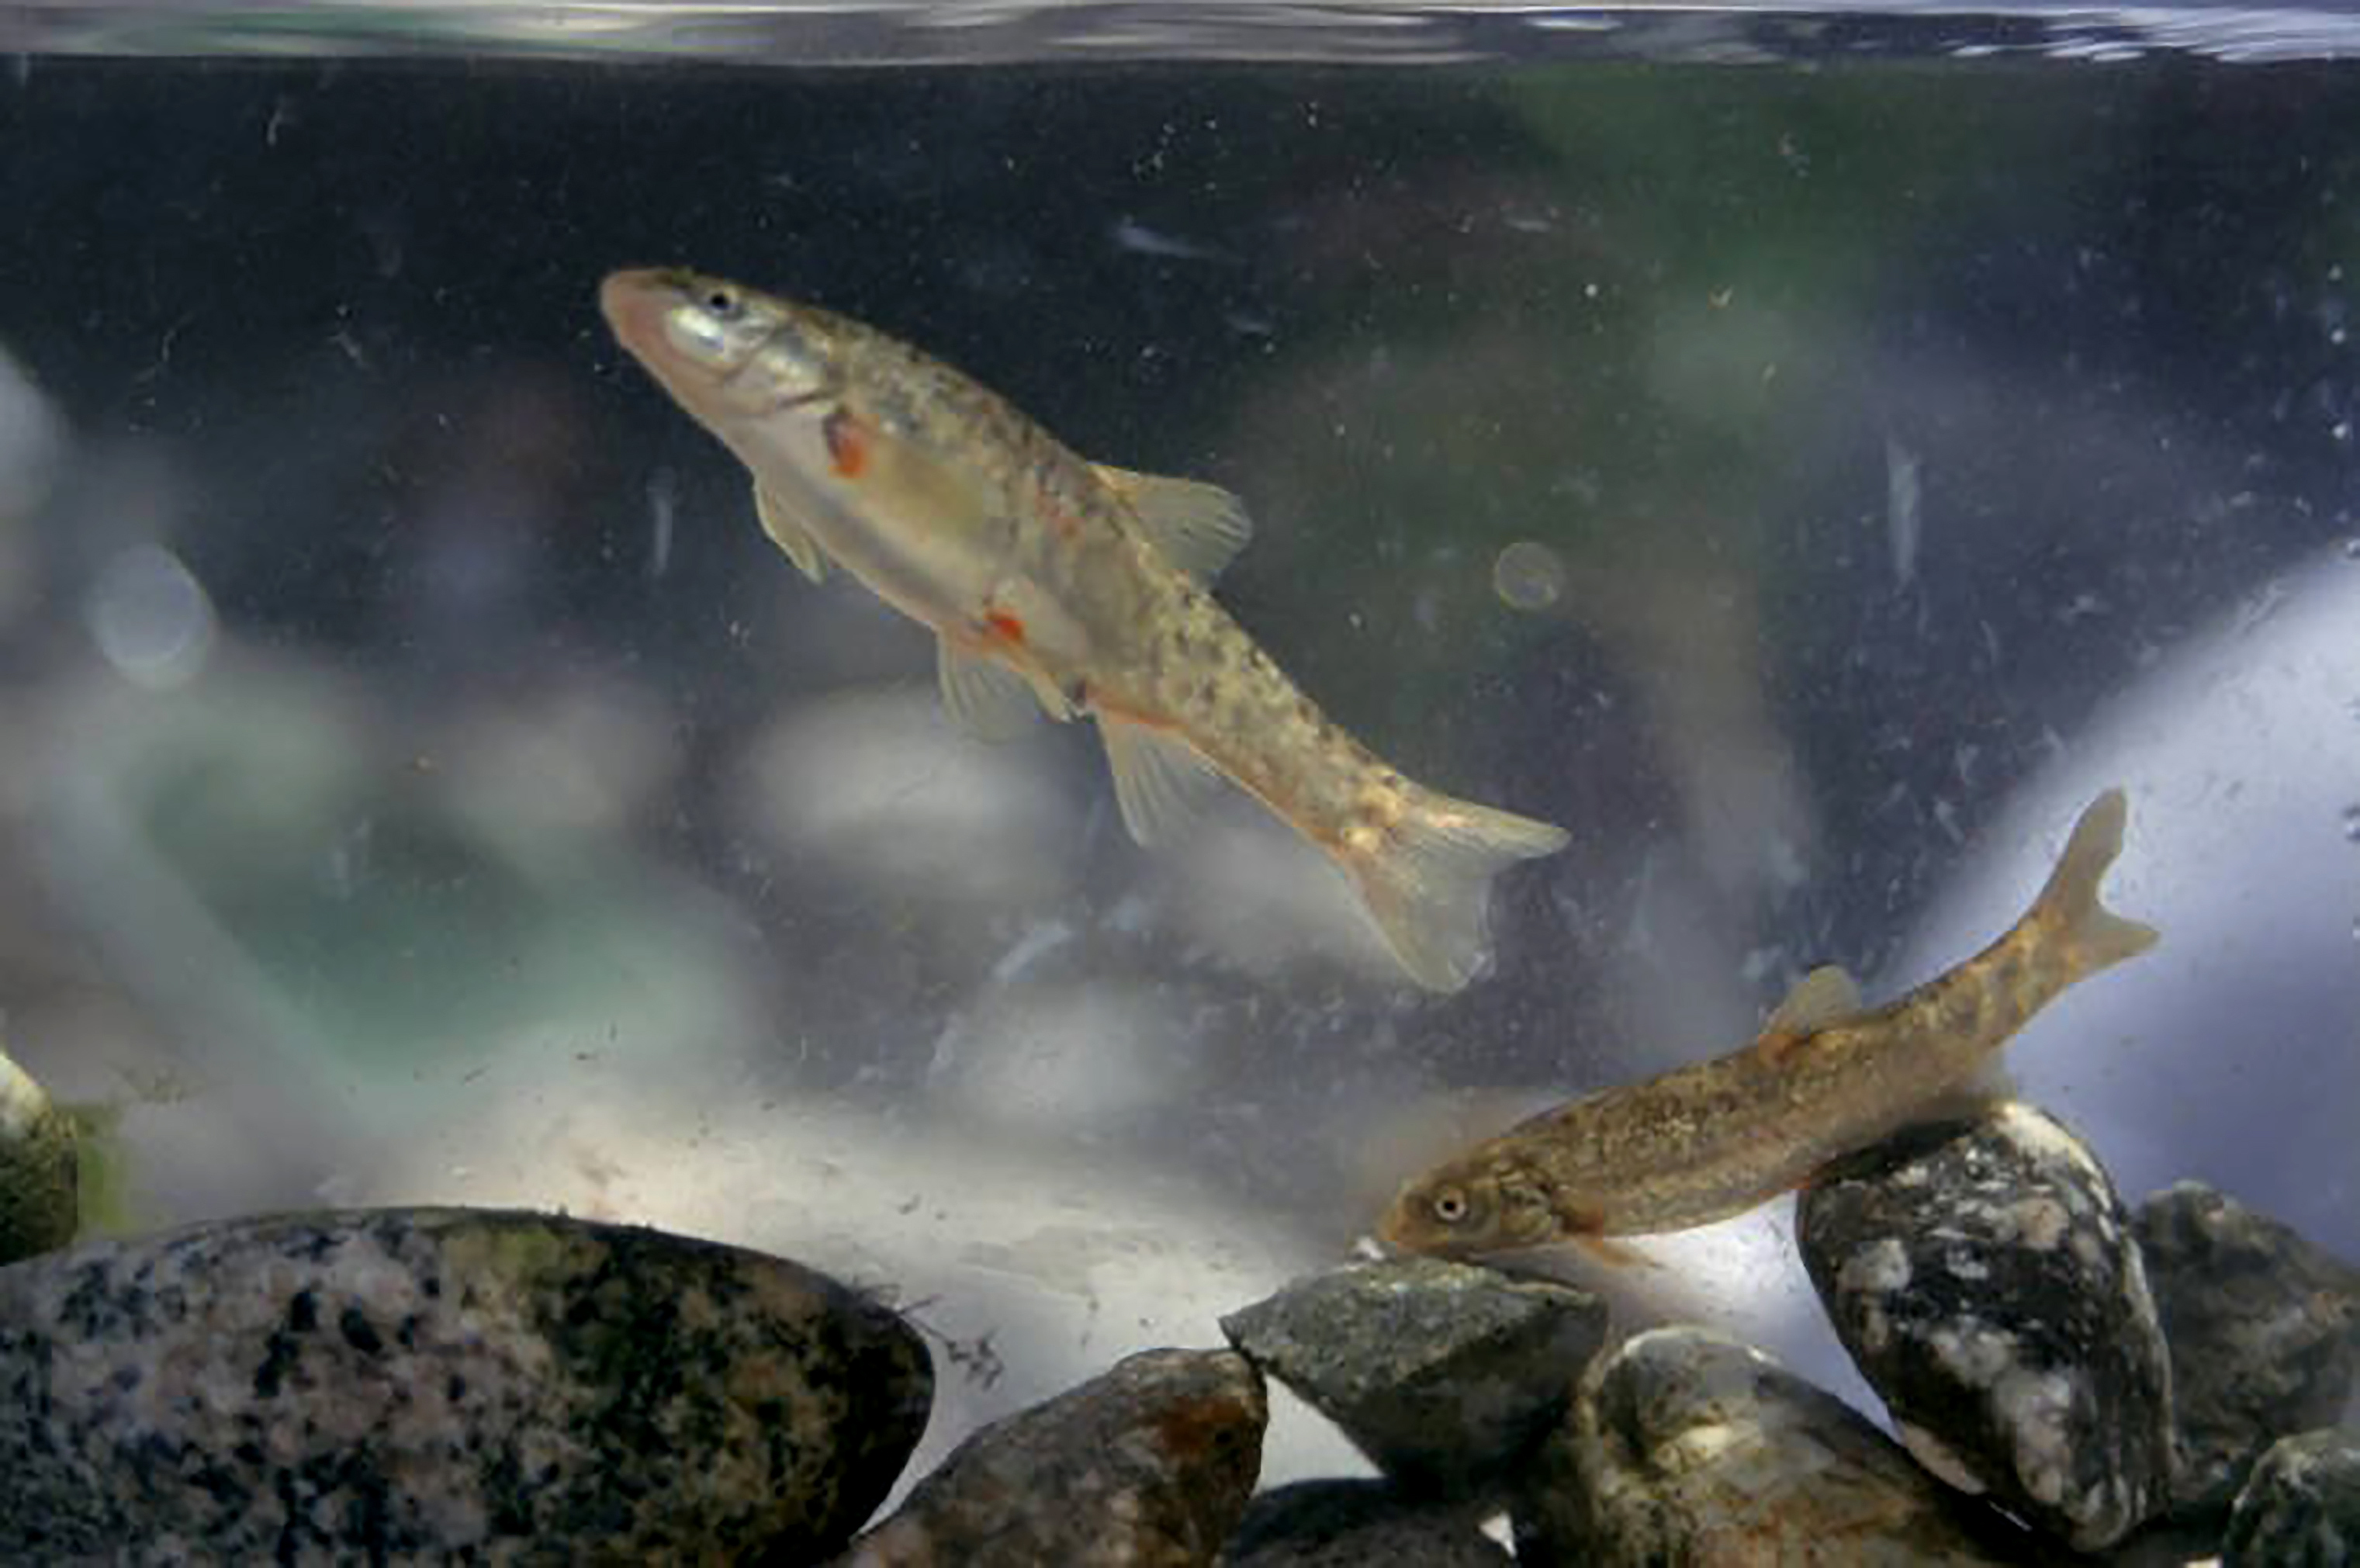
(1447, 1376)
(425, 1383)
(2264, 1330)
(1148, 1465)
(1984, 1279)
(1353, 1524)
(2300, 1506)
(1684, 1446)
(39, 1168)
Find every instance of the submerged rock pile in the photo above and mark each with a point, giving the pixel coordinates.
(2067, 1378)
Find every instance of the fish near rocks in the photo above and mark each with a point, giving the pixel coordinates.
(1053, 582)
(1825, 1079)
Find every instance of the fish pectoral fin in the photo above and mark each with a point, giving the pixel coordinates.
(1197, 527)
(1826, 995)
(1160, 780)
(984, 697)
(787, 532)
(1972, 1097)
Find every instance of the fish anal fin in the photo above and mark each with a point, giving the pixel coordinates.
(1160, 780)
(1196, 527)
(1972, 1097)
(1610, 1252)
(1427, 880)
(787, 532)
(983, 696)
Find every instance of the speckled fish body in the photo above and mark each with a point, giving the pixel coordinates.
(1824, 1079)
(1050, 581)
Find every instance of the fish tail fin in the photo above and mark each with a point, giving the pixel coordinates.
(1428, 882)
(2085, 933)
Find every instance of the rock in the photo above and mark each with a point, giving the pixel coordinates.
(2300, 1506)
(1984, 1278)
(38, 1168)
(1147, 1466)
(443, 1383)
(1686, 1446)
(1447, 1376)
(2264, 1330)
(1350, 1524)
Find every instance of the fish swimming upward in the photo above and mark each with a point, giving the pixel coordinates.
(1052, 581)
(1825, 1079)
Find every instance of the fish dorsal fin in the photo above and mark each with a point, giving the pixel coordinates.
(1160, 780)
(787, 532)
(984, 697)
(1826, 995)
(1197, 527)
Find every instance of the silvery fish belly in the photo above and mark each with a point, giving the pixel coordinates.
(1054, 582)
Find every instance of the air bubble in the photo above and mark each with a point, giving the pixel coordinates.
(1528, 576)
(2352, 823)
(152, 617)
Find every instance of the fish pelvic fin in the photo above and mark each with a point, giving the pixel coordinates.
(1160, 780)
(788, 533)
(1428, 882)
(2083, 932)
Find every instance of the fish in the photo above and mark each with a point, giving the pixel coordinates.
(1825, 1079)
(1052, 582)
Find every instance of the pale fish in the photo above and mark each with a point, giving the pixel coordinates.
(1825, 1079)
(1051, 581)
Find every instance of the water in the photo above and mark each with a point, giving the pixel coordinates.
(1807, 454)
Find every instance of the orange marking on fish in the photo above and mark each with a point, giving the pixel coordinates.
(847, 445)
(1004, 626)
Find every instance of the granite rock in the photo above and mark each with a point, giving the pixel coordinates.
(38, 1168)
(443, 1383)
(1446, 1375)
(1148, 1465)
(2264, 1330)
(1351, 1524)
(1984, 1277)
(2300, 1506)
(1686, 1446)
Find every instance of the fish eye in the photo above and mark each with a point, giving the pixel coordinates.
(722, 302)
(1450, 1206)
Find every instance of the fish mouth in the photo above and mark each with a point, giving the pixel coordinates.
(634, 300)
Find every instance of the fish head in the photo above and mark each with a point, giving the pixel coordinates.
(1469, 1207)
(725, 352)
(845, 433)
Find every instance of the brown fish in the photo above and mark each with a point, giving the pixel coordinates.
(1824, 1079)
(1053, 581)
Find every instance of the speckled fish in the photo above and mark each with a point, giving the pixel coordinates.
(1053, 581)
(1825, 1079)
